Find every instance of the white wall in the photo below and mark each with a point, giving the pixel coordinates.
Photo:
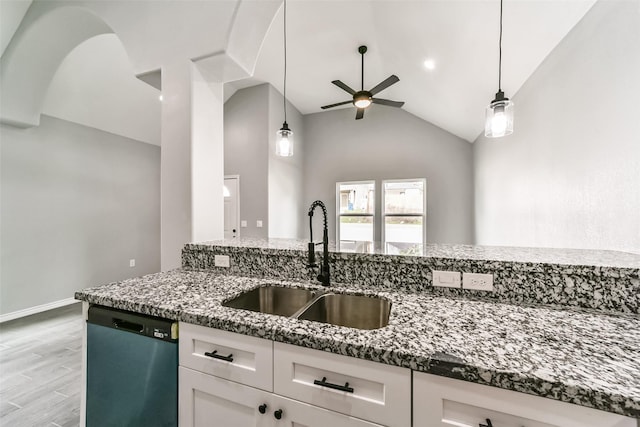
(98, 74)
(569, 176)
(287, 212)
(77, 204)
(390, 143)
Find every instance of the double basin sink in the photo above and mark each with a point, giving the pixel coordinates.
(354, 311)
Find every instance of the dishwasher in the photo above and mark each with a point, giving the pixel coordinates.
(132, 369)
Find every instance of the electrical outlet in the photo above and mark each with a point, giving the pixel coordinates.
(477, 281)
(221, 260)
(259, 223)
(243, 223)
(446, 279)
(132, 263)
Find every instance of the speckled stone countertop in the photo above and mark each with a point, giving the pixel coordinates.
(578, 356)
(575, 257)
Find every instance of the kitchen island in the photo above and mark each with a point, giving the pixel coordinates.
(578, 355)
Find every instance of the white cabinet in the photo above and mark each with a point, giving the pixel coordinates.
(364, 389)
(445, 402)
(240, 358)
(206, 400)
(234, 390)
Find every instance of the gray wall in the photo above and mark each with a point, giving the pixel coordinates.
(77, 204)
(390, 143)
(569, 176)
(246, 142)
(271, 187)
(286, 174)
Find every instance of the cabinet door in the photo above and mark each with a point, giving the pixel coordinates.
(299, 414)
(445, 402)
(205, 400)
(367, 390)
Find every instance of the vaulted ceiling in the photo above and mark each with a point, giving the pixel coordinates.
(460, 36)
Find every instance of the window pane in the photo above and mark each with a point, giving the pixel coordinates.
(404, 197)
(403, 229)
(355, 230)
(357, 198)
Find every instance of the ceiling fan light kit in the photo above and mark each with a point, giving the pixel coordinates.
(284, 136)
(499, 113)
(363, 99)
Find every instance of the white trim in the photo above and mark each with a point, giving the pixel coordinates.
(237, 178)
(37, 309)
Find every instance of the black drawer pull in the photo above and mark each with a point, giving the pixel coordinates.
(215, 355)
(323, 382)
(488, 424)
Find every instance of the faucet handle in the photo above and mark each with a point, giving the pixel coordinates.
(311, 262)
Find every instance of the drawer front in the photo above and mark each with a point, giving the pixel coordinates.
(445, 402)
(376, 392)
(240, 358)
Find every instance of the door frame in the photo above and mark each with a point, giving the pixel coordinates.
(237, 177)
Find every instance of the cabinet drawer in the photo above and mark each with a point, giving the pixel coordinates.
(241, 358)
(377, 392)
(445, 402)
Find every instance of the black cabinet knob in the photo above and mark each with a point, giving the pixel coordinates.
(262, 408)
(278, 414)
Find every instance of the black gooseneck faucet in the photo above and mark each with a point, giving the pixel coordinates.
(323, 276)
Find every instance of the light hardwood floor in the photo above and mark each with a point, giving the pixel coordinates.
(40, 363)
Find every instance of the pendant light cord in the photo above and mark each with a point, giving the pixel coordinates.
(500, 52)
(362, 74)
(284, 101)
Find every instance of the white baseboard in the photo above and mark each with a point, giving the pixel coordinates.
(37, 309)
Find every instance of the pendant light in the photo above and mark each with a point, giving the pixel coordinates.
(499, 115)
(284, 137)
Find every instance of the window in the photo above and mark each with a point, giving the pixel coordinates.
(402, 228)
(403, 216)
(356, 215)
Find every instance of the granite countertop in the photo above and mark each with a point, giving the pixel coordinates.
(559, 256)
(578, 356)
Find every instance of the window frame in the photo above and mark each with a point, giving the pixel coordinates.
(384, 215)
(339, 214)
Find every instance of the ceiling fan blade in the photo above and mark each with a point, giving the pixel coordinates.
(324, 107)
(359, 113)
(343, 87)
(387, 102)
(385, 84)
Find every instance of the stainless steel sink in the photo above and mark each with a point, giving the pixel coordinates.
(273, 300)
(354, 311)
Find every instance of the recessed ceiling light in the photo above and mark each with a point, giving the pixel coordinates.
(429, 64)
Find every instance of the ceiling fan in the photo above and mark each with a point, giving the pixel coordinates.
(364, 98)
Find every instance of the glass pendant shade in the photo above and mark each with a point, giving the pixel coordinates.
(499, 117)
(284, 141)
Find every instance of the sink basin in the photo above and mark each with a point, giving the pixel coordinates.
(272, 299)
(353, 311)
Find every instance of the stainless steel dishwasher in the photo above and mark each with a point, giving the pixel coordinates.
(132, 369)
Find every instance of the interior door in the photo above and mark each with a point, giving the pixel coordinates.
(231, 206)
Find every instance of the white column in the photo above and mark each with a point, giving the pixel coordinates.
(192, 160)
(207, 158)
(175, 162)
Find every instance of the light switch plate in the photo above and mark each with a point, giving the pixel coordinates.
(259, 223)
(243, 223)
(221, 260)
(446, 279)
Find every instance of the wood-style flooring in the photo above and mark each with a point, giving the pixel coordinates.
(40, 363)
